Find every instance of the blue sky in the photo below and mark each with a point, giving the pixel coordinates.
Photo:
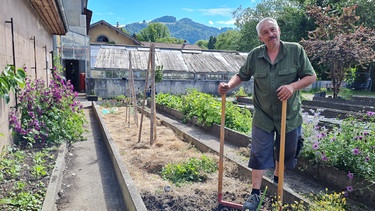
(215, 13)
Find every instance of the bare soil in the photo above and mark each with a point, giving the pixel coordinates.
(145, 162)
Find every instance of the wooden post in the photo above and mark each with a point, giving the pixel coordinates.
(144, 96)
(153, 105)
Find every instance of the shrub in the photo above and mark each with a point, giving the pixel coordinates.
(48, 115)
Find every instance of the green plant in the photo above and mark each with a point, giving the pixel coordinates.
(92, 92)
(241, 92)
(323, 89)
(23, 201)
(39, 170)
(321, 201)
(38, 157)
(11, 80)
(58, 68)
(159, 73)
(26, 193)
(120, 97)
(169, 100)
(207, 109)
(346, 93)
(193, 170)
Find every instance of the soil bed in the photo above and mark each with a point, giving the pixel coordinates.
(24, 177)
(145, 162)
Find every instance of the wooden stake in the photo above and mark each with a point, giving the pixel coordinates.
(133, 95)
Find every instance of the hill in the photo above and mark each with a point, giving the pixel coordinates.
(183, 29)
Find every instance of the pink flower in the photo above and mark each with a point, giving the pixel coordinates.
(324, 157)
(315, 145)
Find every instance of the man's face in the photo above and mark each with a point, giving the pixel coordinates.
(269, 33)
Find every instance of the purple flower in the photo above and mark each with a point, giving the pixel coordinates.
(365, 133)
(333, 139)
(370, 113)
(324, 157)
(356, 151)
(315, 145)
(349, 188)
(350, 175)
(367, 159)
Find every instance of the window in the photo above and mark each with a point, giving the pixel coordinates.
(102, 39)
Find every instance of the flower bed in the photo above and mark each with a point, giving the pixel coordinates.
(353, 180)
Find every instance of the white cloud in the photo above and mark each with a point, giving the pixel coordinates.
(230, 22)
(217, 11)
(188, 9)
(225, 11)
(211, 22)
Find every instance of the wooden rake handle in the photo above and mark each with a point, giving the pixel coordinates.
(282, 152)
(221, 157)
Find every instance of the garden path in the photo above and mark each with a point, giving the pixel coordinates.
(89, 182)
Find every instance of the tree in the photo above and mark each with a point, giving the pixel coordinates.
(339, 42)
(211, 42)
(228, 40)
(153, 32)
(293, 22)
(202, 44)
(170, 40)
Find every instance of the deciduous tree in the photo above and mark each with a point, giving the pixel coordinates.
(339, 42)
(153, 32)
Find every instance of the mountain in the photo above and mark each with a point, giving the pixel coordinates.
(185, 28)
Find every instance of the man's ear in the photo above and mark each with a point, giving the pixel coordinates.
(261, 39)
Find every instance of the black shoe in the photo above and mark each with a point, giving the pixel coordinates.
(251, 203)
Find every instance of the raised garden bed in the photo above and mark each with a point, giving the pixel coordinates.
(327, 176)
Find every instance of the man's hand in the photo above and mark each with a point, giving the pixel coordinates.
(223, 88)
(285, 92)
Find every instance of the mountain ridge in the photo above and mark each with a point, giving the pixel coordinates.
(184, 28)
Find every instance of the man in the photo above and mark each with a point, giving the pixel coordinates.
(280, 69)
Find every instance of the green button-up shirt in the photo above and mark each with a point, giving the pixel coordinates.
(290, 65)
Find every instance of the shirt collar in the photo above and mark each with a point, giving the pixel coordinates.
(283, 51)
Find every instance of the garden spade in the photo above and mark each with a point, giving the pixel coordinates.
(282, 154)
(221, 160)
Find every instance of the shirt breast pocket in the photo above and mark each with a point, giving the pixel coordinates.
(287, 75)
(260, 74)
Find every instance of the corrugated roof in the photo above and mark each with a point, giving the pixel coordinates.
(116, 57)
